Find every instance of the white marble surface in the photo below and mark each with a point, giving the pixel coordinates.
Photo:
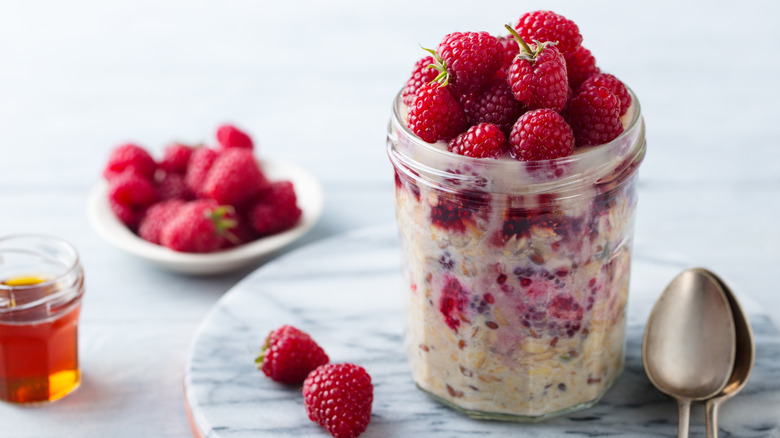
(313, 81)
(346, 292)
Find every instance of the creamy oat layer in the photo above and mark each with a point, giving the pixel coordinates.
(516, 305)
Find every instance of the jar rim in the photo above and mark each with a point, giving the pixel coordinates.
(74, 261)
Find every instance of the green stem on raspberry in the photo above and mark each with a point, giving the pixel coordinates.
(259, 359)
(529, 54)
(439, 65)
(223, 224)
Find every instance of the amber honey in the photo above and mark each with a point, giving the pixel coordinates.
(38, 346)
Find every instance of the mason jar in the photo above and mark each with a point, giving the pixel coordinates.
(516, 273)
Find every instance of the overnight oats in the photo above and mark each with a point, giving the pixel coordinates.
(516, 215)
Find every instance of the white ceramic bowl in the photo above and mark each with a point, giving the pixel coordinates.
(307, 190)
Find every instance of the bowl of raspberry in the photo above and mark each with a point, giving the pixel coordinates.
(516, 163)
(202, 210)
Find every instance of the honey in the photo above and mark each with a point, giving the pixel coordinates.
(38, 346)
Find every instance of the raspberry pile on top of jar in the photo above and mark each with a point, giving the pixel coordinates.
(534, 93)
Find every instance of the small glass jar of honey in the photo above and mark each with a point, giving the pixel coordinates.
(41, 286)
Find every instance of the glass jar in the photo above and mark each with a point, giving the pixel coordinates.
(516, 273)
(41, 286)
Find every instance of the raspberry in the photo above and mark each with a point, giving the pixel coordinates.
(198, 226)
(452, 302)
(594, 116)
(175, 158)
(229, 136)
(457, 211)
(173, 186)
(234, 177)
(612, 84)
(436, 115)
(157, 217)
(289, 355)
(470, 59)
(421, 74)
(338, 397)
(495, 103)
(517, 224)
(125, 214)
(538, 76)
(130, 194)
(541, 135)
(548, 26)
(198, 168)
(275, 210)
(509, 50)
(484, 140)
(129, 157)
(580, 65)
(449, 215)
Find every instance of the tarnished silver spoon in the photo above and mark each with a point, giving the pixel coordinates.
(689, 342)
(743, 361)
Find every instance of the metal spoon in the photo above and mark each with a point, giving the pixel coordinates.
(743, 362)
(689, 342)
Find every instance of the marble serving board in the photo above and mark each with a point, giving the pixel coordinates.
(346, 291)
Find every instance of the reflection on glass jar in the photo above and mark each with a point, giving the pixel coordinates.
(41, 286)
(517, 272)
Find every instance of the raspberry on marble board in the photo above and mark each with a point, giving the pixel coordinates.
(289, 354)
(339, 397)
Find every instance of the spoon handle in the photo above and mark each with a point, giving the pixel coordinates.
(685, 417)
(711, 415)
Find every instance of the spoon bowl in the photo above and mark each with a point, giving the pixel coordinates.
(689, 343)
(744, 360)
